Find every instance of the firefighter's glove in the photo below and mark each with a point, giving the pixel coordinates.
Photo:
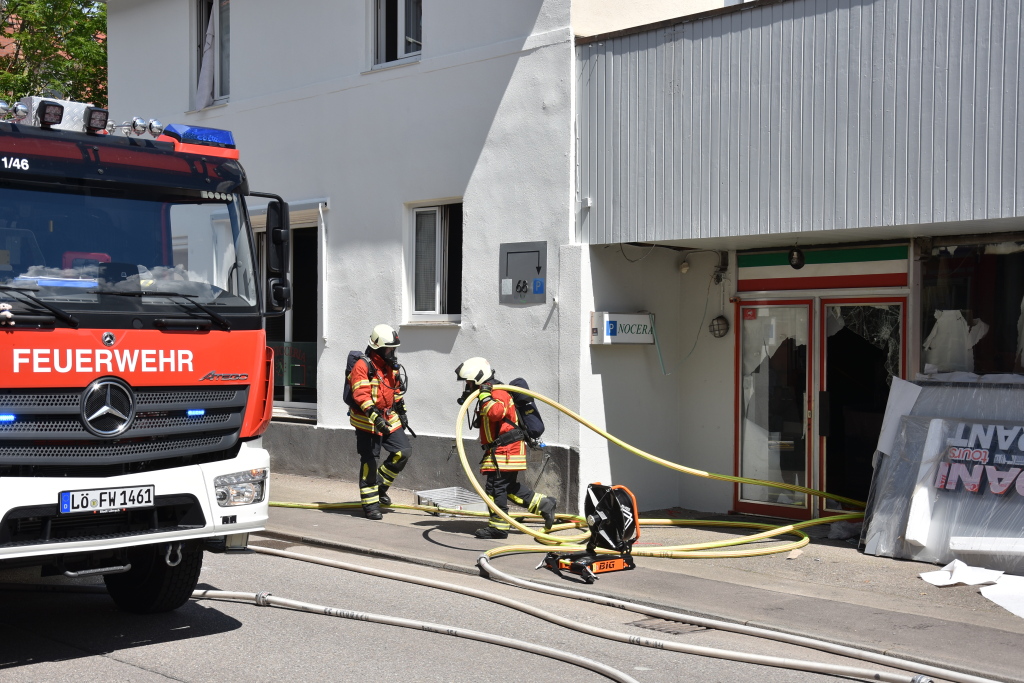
(379, 423)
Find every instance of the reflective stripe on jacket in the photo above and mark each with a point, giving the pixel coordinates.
(381, 391)
(493, 413)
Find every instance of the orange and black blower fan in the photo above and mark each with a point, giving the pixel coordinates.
(614, 525)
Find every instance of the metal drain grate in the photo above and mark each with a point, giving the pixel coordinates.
(666, 626)
(453, 498)
(272, 543)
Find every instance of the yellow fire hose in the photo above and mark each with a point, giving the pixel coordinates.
(548, 538)
(693, 550)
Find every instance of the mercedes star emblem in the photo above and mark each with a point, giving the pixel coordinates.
(108, 407)
(108, 338)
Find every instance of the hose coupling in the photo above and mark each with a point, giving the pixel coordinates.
(262, 598)
(174, 548)
(921, 678)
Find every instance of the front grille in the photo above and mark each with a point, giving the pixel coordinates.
(52, 425)
(168, 422)
(116, 449)
(41, 399)
(147, 398)
(47, 428)
(42, 525)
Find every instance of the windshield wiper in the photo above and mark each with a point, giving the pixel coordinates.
(214, 315)
(24, 292)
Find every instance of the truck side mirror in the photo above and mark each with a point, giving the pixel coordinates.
(278, 250)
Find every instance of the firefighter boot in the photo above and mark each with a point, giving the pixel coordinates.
(491, 532)
(547, 511)
(382, 495)
(372, 511)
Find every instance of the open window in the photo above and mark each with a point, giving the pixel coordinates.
(436, 260)
(398, 29)
(213, 52)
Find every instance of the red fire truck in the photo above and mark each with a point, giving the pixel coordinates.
(136, 378)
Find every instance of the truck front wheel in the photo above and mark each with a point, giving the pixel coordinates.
(152, 585)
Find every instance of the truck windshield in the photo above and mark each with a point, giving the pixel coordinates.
(76, 245)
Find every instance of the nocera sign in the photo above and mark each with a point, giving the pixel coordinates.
(621, 328)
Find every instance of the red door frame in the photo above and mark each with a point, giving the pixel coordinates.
(823, 378)
(767, 509)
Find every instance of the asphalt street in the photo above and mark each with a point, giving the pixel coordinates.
(76, 637)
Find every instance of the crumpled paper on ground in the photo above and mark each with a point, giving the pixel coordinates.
(1006, 590)
(960, 572)
(1008, 593)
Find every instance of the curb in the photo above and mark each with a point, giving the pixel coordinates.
(474, 570)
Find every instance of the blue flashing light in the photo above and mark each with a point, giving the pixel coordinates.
(197, 135)
(7, 418)
(199, 412)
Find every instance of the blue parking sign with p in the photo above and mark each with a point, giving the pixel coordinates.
(612, 329)
(538, 285)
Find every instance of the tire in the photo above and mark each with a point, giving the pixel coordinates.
(151, 586)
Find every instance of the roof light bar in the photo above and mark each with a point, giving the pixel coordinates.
(200, 140)
(197, 135)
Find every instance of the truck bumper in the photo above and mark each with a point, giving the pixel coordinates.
(20, 495)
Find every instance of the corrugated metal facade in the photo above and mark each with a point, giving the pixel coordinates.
(803, 115)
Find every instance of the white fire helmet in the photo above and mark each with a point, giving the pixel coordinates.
(384, 336)
(476, 370)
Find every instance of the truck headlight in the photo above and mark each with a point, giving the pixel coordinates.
(241, 488)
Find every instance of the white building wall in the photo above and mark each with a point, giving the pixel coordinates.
(685, 416)
(485, 115)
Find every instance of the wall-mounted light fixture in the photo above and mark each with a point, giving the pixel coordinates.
(796, 258)
(719, 327)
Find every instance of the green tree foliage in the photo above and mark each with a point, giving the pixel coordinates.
(53, 47)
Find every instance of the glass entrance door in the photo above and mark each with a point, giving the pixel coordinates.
(862, 350)
(814, 379)
(774, 411)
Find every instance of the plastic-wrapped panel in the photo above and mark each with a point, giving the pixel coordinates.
(952, 487)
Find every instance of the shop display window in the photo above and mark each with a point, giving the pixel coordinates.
(972, 309)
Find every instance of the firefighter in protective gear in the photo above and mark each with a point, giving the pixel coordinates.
(380, 393)
(504, 449)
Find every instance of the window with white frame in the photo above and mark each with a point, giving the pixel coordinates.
(213, 52)
(436, 277)
(399, 30)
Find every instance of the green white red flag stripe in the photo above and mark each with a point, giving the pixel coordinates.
(824, 269)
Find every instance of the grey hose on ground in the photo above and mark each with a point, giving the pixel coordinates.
(824, 646)
(765, 660)
(268, 600)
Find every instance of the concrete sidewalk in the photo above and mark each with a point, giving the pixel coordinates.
(829, 591)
